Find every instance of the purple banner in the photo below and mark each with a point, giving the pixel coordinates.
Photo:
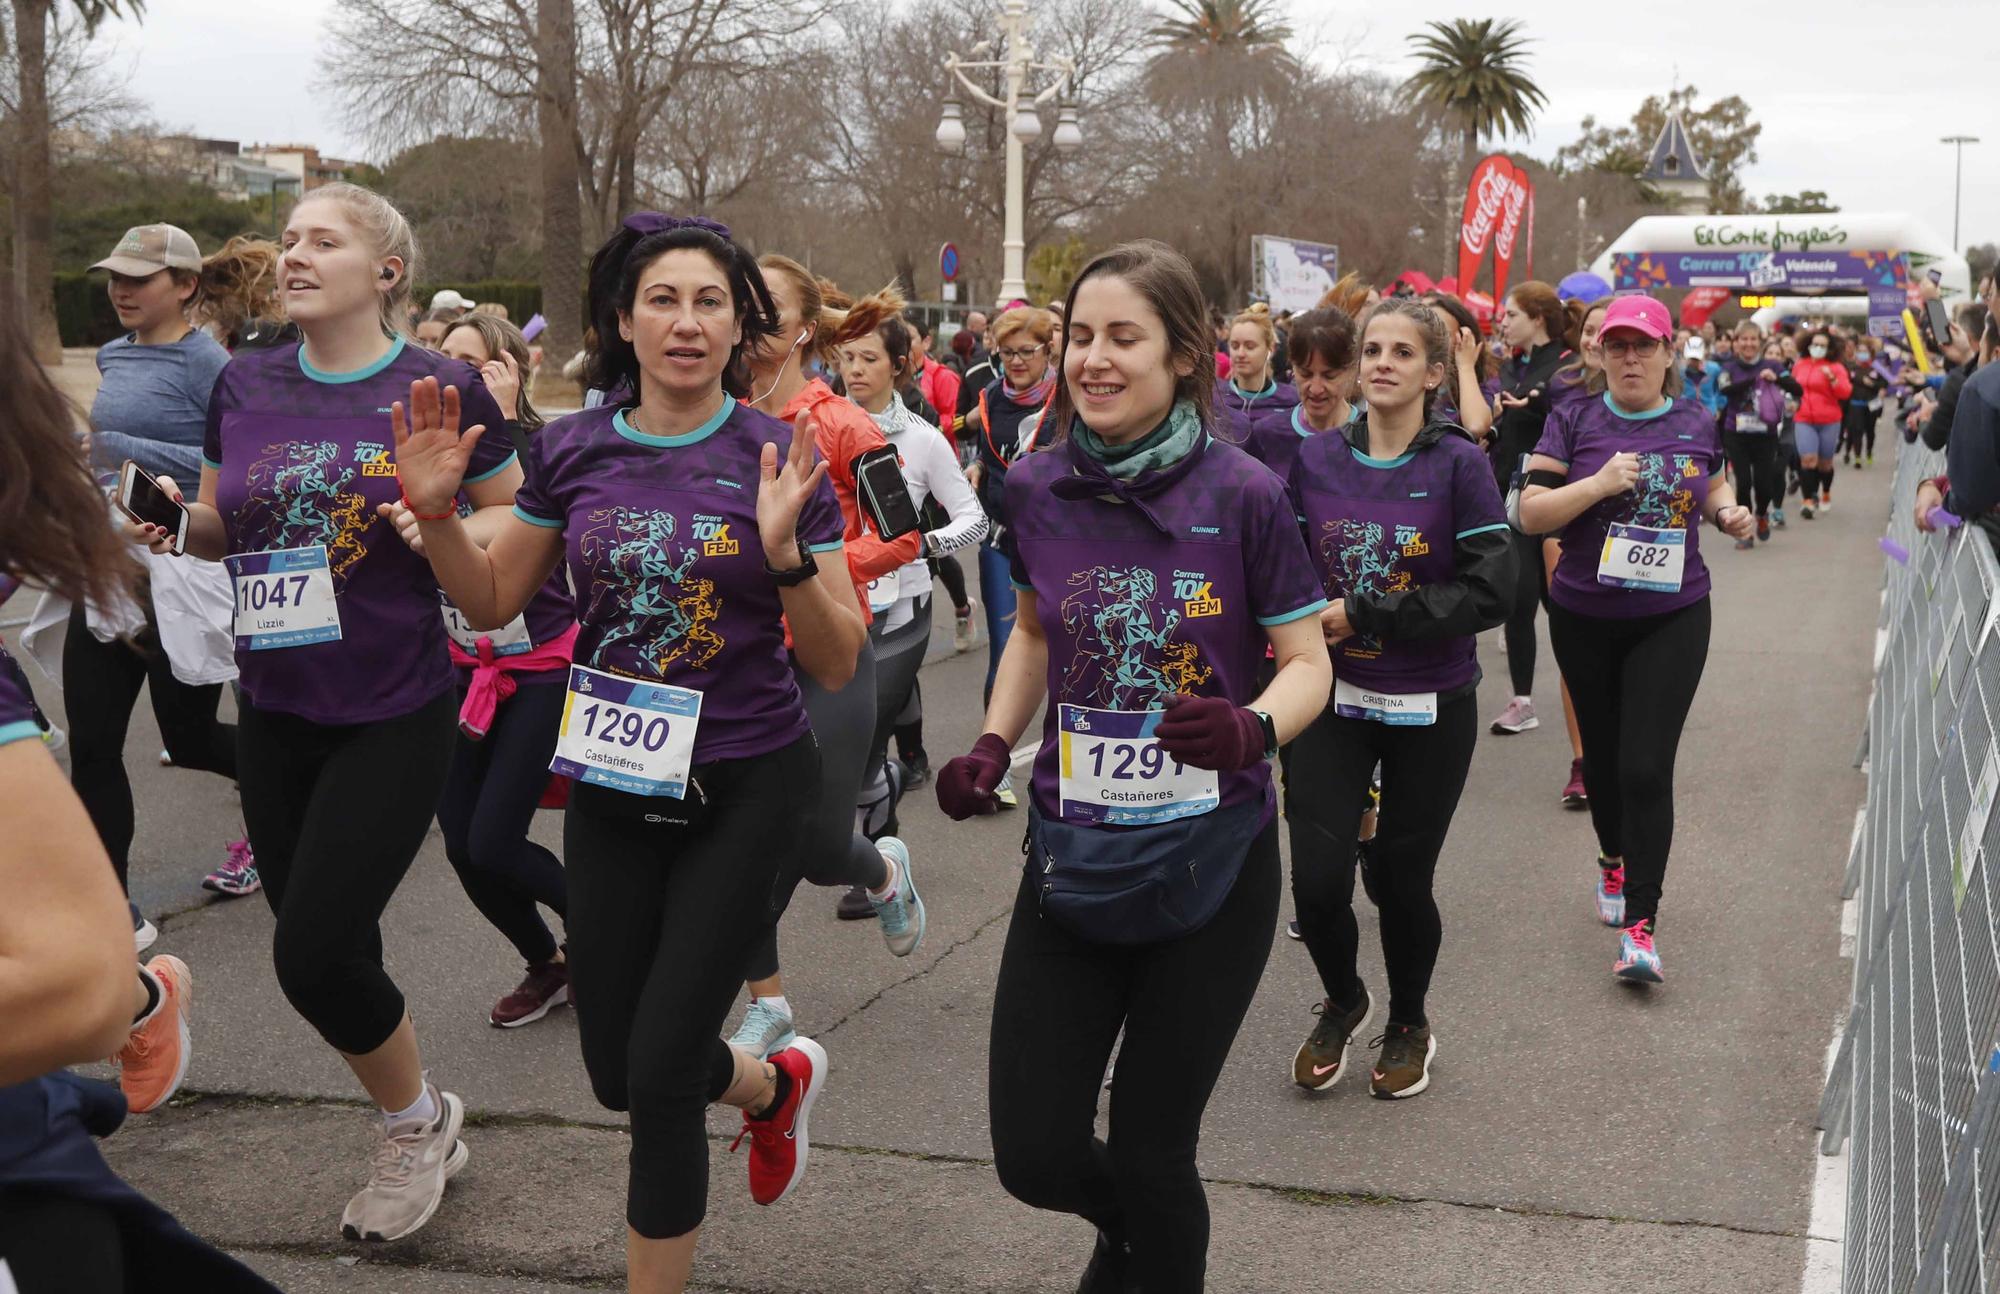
(1776, 273)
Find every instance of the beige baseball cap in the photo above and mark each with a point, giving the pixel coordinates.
(148, 249)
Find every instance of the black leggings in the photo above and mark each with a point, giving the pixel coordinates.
(953, 574)
(1632, 683)
(832, 852)
(336, 815)
(899, 655)
(1057, 1009)
(1861, 422)
(101, 683)
(63, 1244)
(662, 917)
(1753, 461)
(1530, 583)
(489, 802)
(1326, 792)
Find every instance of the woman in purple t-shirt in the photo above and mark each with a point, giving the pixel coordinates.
(1406, 527)
(1628, 477)
(346, 722)
(1155, 565)
(690, 548)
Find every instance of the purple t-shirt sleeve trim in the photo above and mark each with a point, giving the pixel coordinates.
(19, 730)
(492, 472)
(1479, 530)
(832, 547)
(1313, 608)
(533, 520)
(210, 463)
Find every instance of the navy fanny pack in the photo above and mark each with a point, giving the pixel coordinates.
(1141, 886)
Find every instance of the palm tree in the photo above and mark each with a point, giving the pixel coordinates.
(34, 214)
(1221, 55)
(1471, 76)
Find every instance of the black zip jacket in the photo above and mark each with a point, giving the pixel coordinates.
(1518, 431)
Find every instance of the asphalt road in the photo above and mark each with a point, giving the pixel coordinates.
(1577, 1131)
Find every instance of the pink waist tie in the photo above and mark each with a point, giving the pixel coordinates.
(493, 677)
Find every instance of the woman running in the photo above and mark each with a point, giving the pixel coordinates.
(151, 408)
(1168, 560)
(1628, 478)
(1572, 383)
(1533, 324)
(510, 705)
(349, 706)
(1864, 406)
(1413, 547)
(1824, 386)
(1253, 397)
(690, 548)
(68, 992)
(1322, 350)
(1753, 388)
(1003, 427)
(843, 718)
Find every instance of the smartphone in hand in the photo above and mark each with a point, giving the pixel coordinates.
(141, 498)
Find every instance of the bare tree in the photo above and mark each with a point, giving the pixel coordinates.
(562, 220)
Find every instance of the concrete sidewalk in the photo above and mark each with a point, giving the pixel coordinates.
(1579, 1135)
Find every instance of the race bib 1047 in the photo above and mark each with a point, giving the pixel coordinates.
(284, 598)
(1114, 771)
(627, 734)
(1639, 557)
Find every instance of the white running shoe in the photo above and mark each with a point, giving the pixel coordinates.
(407, 1173)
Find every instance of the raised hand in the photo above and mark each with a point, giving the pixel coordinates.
(782, 493)
(431, 455)
(1618, 475)
(503, 382)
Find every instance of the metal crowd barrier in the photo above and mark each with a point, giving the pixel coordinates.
(1913, 1084)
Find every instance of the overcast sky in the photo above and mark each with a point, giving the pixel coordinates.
(1850, 102)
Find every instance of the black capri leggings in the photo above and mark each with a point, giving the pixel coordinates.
(65, 1244)
(1632, 683)
(489, 802)
(1760, 476)
(1057, 1009)
(101, 683)
(662, 917)
(831, 852)
(1530, 585)
(336, 815)
(1326, 792)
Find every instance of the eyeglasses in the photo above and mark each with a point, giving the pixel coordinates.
(1643, 347)
(1027, 354)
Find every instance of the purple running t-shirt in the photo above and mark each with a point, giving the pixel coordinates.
(1679, 451)
(17, 708)
(1385, 525)
(661, 540)
(1134, 616)
(1276, 443)
(303, 458)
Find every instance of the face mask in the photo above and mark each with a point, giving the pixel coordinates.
(1817, 352)
(1861, 357)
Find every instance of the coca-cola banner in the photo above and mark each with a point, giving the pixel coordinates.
(1516, 211)
(1485, 197)
(1700, 303)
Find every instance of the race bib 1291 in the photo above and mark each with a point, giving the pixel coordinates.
(1115, 772)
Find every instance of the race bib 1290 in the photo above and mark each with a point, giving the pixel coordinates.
(1114, 771)
(284, 598)
(627, 734)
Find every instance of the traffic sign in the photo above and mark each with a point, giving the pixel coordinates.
(948, 262)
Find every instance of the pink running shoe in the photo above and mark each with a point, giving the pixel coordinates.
(1638, 961)
(1611, 894)
(238, 876)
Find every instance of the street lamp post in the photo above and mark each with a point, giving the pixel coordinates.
(1958, 143)
(1024, 125)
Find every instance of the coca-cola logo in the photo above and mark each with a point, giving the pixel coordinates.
(1489, 194)
(1510, 221)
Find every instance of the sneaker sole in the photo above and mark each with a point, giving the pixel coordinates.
(799, 1136)
(1502, 730)
(184, 979)
(1638, 974)
(558, 998)
(1430, 1054)
(453, 1162)
(229, 889)
(1576, 802)
(1340, 1070)
(1292, 930)
(144, 936)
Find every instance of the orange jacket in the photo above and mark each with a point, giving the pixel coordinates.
(842, 432)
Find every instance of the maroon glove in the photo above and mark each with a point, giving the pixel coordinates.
(1211, 732)
(965, 785)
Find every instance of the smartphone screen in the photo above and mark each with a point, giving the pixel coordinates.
(141, 497)
(1938, 321)
(885, 494)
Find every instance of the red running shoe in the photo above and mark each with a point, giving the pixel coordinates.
(1574, 794)
(778, 1144)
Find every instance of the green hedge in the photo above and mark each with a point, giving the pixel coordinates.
(85, 316)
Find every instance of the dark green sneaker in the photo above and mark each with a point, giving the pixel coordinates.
(1322, 1058)
(1404, 1068)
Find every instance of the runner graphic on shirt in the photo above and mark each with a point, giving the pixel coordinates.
(1661, 500)
(1126, 657)
(664, 614)
(297, 499)
(1366, 561)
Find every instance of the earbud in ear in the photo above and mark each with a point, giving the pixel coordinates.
(388, 275)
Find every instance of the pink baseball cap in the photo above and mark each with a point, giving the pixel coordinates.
(1640, 314)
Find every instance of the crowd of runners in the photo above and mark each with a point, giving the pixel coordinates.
(1201, 546)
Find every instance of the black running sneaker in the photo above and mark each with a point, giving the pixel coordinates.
(1322, 1058)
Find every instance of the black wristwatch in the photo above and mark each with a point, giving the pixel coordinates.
(805, 570)
(1270, 733)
